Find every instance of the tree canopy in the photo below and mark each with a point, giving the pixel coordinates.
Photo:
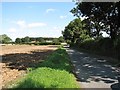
(102, 16)
(5, 39)
(75, 30)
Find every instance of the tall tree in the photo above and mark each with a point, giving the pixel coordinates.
(73, 30)
(5, 39)
(103, 16)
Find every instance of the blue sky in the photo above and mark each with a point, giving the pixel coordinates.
(35, 19)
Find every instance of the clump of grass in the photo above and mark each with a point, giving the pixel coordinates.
(58, 60)
(52, 73)
(48, 78)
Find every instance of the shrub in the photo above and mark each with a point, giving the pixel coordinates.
(49, 43)
(88, 44)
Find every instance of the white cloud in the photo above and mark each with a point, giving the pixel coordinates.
(12, 30)
(31, 25)
(32, 34)
(21, 23)
(50, 10)
(63, 17)
(55, 28)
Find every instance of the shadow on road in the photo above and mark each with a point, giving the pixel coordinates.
(90, 68)
(115, 86)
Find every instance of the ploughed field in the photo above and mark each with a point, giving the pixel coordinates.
(17, 58)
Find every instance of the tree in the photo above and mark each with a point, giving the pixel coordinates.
(40, 39)
(25, 39)
(73, 30)
(5, 39)
(55, 40)
(61, 39)
(18, 41)
(101, 16)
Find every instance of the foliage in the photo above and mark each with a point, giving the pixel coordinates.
(100, 16)
(61, 39)
(55, 40)
(74, 30)
(46, 43)
(18, 41)
(5, 39)
(26, 39)
(58, 60)
(103, 46)
(39, 41)
(52, 73)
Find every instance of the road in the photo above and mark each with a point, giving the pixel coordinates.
(93, 72)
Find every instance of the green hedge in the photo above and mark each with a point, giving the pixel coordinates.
(104, 46)
(47, 43)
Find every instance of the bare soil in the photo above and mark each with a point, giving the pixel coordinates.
(17, 58)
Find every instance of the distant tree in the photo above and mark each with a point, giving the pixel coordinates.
(27, 39)
(61, 39)
(18, 41)
(5, 39)
(55, 40)
(32, 39)
(23, 40)
(40, 39)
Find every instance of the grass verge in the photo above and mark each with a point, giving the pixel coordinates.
(52, 73)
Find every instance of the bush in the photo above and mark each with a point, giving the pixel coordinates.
(47, 43)
(103, 46)
(88, 44)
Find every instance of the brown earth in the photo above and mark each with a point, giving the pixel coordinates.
(17, 58)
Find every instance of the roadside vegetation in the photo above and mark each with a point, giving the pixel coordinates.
(99, 32)
(55, 72)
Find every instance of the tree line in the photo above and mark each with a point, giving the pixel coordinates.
(28, 40)
(5, 39)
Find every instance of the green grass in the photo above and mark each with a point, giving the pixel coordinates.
(58, 60)
(52, 73)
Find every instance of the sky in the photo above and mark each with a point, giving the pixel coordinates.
(35, 19)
